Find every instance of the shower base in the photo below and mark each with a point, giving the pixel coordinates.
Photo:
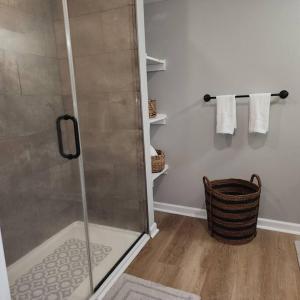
(58, 268)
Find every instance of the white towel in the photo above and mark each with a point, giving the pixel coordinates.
(259, 112)
(226, 114)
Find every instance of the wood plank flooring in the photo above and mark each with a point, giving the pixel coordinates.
(184, 256)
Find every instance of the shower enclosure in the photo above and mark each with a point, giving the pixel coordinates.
(72, 180)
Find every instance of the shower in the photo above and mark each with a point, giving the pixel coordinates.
(73, 193)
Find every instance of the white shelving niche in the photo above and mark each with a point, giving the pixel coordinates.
(156, 64)
(160, 119)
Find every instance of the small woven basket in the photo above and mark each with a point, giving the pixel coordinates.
(232, 209)
(152, 108)
(158, 162)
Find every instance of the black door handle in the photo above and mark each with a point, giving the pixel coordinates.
(60, 140)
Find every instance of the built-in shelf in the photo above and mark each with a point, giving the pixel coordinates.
(155, 64)
(156, 175)
(160, 119)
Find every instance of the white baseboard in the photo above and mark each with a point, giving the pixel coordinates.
(267, 224)
(153, 230)
(113, 277)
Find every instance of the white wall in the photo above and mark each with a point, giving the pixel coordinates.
(222, 47)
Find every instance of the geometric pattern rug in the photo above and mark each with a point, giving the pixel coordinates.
(132, 288)
(297, 244)
(59, 273)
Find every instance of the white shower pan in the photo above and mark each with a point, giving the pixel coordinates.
(58, 268)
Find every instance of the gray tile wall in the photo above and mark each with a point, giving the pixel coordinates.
(106, 67)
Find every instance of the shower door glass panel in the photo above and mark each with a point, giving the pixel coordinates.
(104, 44)
(41, 207)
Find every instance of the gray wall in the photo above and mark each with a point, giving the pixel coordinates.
(222, 47)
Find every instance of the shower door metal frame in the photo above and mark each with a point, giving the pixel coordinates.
(151, 225)
(133, 251)
(76, 115)
(152, 229)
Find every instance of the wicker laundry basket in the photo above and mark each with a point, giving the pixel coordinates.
(232, 209)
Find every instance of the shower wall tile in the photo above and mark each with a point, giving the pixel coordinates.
(20, 32)
(87, 34)
(98, 33)
(68, 104)
(12, 85)
(32, 153)
(94, 112)
(123, 76)
(60, 182)
(55, 183)
(95, 147)
(43, 151)
(79, 7)
(105, 73)
(57, 10)
(123, 110)
(40, 8)
(27, 115)
(50, 39)
(2, 72)
(64, 77)
(115, 146)
(35, 223)
(39, 75)
(24, 33)
(126, 179)
(99, 181)
(60, 39)
(15, 157)
(118, 29)
(92, 74)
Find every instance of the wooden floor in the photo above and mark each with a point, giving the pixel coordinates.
(184, 256)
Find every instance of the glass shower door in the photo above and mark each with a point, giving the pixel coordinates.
(105, 57)
(42, 215)
(72, 180)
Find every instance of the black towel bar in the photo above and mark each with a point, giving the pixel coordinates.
(283, 94)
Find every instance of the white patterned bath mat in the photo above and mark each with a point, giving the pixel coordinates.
(132, 288)
(297, 244)
(60, 273)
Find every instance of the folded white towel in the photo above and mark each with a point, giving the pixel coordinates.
(259, 112)
(226, 114)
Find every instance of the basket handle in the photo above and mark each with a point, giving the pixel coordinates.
(206, 181)
(257, 178)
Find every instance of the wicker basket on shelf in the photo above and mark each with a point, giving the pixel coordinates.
(158, 162)
(152, 108)
(232, 208)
